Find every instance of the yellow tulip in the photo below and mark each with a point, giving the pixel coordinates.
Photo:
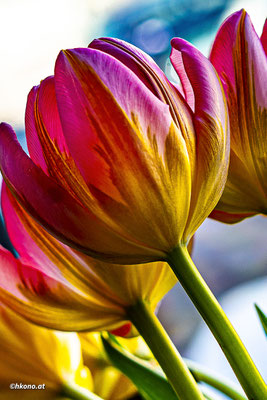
(32, 355)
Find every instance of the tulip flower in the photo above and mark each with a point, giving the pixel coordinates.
(31, 355)
(239, 56)
(122, 166)
(59, 288)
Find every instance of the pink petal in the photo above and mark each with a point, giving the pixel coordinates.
(42, 121)
(221, 54)
(203, 80)
(47, 302)
(212, 130)
(89, 74)
(140, 63)
(264, 37)
(59, 213)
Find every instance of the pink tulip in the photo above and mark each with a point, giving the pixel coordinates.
(239, 56)
(122, 166)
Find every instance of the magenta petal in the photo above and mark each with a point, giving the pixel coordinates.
(177, 62)
(85, 79)
(264, 37)
(209, 99)
(33, 141)
(221, 54)
(46, 301)
(30, 254)
(254, 62)
(41, 120)
(44, 199)
(140, 63)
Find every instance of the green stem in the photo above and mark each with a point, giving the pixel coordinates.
(77, 392)
(201, 374)
(164, 351)
(207, 305)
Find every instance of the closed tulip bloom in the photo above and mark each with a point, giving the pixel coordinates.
(239, 56)
(32, 355)
(122, 166)
(57, 287)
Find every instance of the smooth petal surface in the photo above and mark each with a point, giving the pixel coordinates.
(58, 211)
(140, 160)
(212, 131)
(47, 302)
(152, 76)
(35, 355)
(264, 37)
(105, 289)
(239, 57)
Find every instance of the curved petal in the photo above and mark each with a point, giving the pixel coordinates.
(58, 211)
(247, 101)
(47, 302)
(39, 249)
(32, 354)
(76, 72)
(152, 76)
(102, 283)
(139, 160)
(212, 130)
(149, 282)
(221, 54)
(264, 37)
(140, 63)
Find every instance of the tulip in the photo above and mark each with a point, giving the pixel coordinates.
(122, 167)
(59, 288)
(239, 56)
(31, 355)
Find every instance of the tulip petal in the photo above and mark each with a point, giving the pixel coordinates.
(212, 130)
(221, 53)
(138, 162)
(42, 117)
(152, 76)
(39, 249)
(144, 67)
(75, 72)
(47, 302)
(247, 101)
(58, 211)
(104, 284)
(264, 37)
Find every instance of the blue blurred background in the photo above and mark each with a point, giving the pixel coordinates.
(231, 258)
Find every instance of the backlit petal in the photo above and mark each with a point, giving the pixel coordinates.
(47, 302)
(243, 69)
(57, 210)
(212, 131)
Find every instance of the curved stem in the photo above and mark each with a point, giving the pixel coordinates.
(164, 351)
(209, 308)
(201, 374)
(77, 392)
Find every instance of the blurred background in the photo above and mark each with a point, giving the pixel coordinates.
(233, 259)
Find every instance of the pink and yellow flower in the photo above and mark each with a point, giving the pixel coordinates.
(240, 58)
(60, 288)
(122, 167)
